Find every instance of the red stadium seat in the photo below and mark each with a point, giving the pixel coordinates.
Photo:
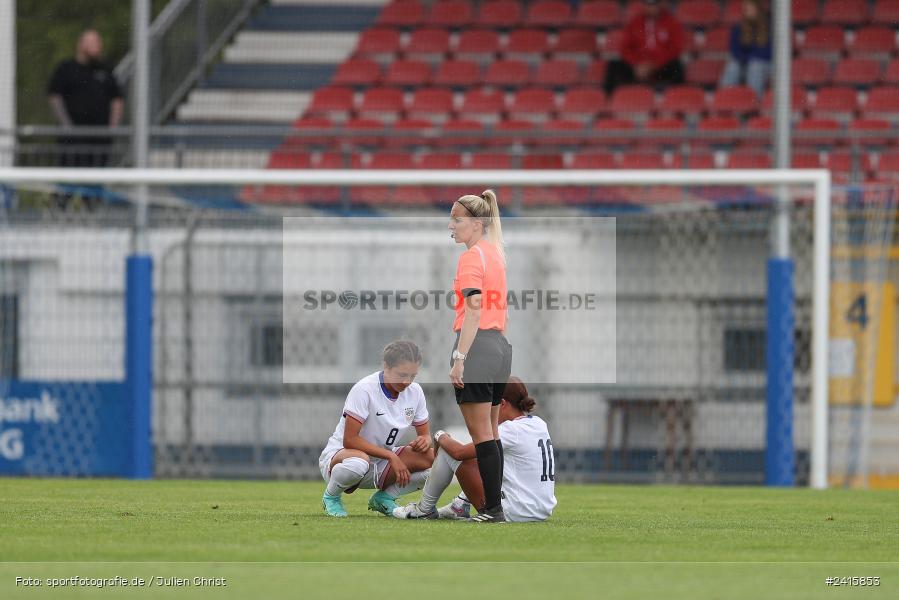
(664, 132)
(811, 72)
(385, 104)
(542, 161)
(435, 104)
(582, 104)
(615, 132)
(845, 12)
(886, 12)
(576, 44)
(835, 102)
(696, 160)
(461, 133)
(408, 73)
(643, 161)
(289, 159)
(718, 131)
(482, 105)
(873, 42)
(507, 73)
(527, 44)
(595, 73)
(359, 72)
(381, 44)
(312, 131)
(428, 44)
(457, 73)
(683, 100)
(599, 159)
(602, 14)
(805, 12)
(716, 43)
(449, 160)
(534, 104)
(559, 132)
(737, 99)
(636, 100)
(824, 41)
(334, 102)
(511, 133)
(408, 132)
(891, 76)
(705, 71)
(872, 132)
(858, 72)
(888, 166)
(490, 160)
(816, 132)
(557, 73)
(883, 102)
(338, 160)
(548, 13)
(362, 132)
(743, 159)
(502, 14)
(401, 13)
(477, 44)
(453, 14)
(699, 13)
(757, 132)
(806, 160)
(391, 160)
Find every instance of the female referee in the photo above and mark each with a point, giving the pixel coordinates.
(482, 357)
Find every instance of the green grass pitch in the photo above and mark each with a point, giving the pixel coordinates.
(271, 539)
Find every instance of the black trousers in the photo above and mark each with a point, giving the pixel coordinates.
(620, 72)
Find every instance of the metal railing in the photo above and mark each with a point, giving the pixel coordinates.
(185, 39)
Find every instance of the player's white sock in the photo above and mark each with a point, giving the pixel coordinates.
(346, 474)
(416, 480)
(460, 501)
(440, 478)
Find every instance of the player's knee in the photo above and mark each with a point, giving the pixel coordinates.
(356, 465)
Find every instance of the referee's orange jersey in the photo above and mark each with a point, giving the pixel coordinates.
(481, 268)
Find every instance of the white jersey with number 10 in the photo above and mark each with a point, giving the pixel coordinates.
(528, 469)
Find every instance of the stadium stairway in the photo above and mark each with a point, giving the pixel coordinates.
(288, 49)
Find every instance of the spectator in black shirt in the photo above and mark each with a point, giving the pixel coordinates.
(84, 91)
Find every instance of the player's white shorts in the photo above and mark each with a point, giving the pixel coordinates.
(378, 469)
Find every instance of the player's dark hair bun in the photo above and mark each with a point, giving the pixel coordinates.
(516, 394)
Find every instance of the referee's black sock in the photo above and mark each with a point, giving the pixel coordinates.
(490, 465)
(502, 461)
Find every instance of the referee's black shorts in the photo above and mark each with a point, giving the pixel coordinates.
(488, 365)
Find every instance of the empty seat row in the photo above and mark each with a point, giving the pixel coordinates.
(611, 13)
(719, 132)
(637, 101)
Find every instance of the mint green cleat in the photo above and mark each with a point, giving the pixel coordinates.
(382, 502)
(333, 506)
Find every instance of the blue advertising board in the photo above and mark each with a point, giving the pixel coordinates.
(67, 428)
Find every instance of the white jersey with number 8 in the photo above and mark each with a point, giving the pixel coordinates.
(528, 469)
(385, 420)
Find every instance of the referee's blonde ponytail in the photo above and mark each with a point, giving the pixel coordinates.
(486, 208)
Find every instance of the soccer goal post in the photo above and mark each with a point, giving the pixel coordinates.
(686, 388)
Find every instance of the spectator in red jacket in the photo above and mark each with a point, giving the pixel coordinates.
(651, 47)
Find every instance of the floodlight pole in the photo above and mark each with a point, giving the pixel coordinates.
(7, 82)
(140, 35)
(139, 267)
(780, 461)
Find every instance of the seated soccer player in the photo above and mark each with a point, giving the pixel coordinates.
(380, 409)
(528, 492)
